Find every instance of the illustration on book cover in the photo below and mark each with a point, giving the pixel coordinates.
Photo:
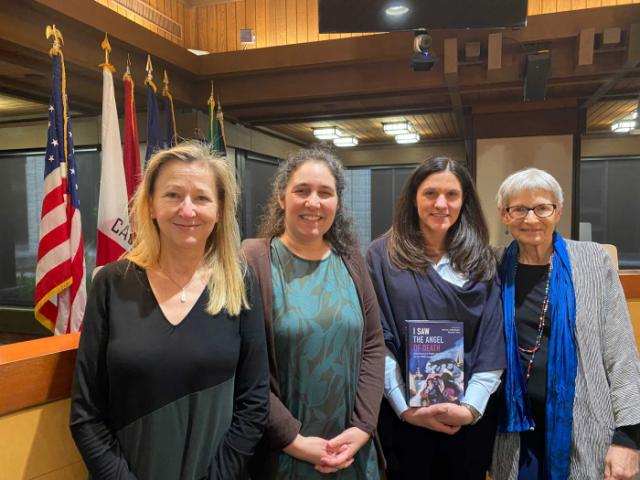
(435, 362)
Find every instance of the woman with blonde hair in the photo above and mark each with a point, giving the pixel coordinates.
(171, 379)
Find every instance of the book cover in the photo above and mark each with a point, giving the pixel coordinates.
(435, 362)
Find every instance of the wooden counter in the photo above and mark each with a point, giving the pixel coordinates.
(36, 371)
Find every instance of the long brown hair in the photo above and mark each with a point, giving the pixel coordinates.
(466, 242)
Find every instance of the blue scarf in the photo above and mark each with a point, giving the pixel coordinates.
(562, 361)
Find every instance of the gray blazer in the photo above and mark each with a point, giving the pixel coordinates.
(607, 393)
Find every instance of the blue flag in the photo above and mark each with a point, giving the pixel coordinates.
(154, 133)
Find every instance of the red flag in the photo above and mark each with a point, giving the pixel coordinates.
(131, 144)
(60, 296)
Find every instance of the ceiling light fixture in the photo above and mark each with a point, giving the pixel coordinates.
(345, 142)
(405, 138)
(198, 52)
(396, 10)
(395, 128)
(327, 133)
(624, 126)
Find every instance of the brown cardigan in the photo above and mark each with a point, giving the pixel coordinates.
(282, 427)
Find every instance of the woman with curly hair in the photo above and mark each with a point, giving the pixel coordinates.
(323, 332)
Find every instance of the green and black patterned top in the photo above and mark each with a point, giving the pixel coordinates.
(318, 329)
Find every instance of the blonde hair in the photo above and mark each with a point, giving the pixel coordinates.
(222, 250)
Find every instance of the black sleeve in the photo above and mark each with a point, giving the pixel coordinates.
(89, 422)
(375, 264)
(628, 436)
(251, 393)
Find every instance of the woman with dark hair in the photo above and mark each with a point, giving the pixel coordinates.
(326, 352)
(435, 263)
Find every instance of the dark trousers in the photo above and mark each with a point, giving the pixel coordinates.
(531, 455)
(418, 453)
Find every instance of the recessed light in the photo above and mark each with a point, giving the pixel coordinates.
(396, 10)
(198, 52)
(345, 142)
(328, 133)
(624, 126)
(395, 128)
(407, 138)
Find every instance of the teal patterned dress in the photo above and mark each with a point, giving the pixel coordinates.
(318, 328)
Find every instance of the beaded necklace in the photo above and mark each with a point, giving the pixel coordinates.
(541, 323)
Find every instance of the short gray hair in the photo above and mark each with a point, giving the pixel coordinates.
(527, 180)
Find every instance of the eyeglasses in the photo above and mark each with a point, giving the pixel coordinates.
(544, 210)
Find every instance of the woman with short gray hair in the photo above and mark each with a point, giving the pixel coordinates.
(571, 396)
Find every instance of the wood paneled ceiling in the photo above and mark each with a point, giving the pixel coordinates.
(602, 115)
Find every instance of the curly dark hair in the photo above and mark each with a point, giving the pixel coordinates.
(467, 241)
(340, 235)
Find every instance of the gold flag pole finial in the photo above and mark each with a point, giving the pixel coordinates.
(165, 80)
(149, 79)
(211, 100)
(106, 46)
(58, 41)
(149, 68)
(128, 70)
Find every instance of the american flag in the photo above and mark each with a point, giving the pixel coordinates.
(60, 296)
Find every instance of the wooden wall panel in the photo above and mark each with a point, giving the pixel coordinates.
(221, 30)
(301, 21)
(173, 9)
(312, 20)
(292, 22)
(233, 41)
(261, 23)
(278, 22)
(280, 15)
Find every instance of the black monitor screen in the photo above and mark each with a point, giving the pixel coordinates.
(347, 16)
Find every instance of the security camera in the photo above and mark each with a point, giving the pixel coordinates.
(422, 42)
(423, 59)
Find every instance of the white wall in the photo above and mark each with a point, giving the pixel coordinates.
(499, 157)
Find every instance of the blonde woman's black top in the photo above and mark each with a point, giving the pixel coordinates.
(152, 400)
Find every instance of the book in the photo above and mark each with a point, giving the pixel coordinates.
(435, 362)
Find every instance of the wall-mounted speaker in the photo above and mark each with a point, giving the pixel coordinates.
(536, 75)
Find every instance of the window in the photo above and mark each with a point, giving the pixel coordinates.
(370, 199)
(609, 205)
(256, 173)
(21, 190)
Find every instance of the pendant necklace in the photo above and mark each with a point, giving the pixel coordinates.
(541, 323)
(183, 292)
